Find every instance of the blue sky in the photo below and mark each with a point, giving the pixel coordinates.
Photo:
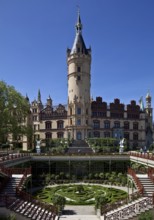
(34, 36)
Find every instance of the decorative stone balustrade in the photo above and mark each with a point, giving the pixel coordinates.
(130, 210)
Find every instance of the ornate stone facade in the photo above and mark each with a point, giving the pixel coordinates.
(83, 117)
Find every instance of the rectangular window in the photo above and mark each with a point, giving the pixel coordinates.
(34, 110)
(135, 126)
(48, 135)
(117, 124)
(70, 121)
(70, 111)
(60, 135)
(35, 118)
(106, 134)
(126, 125)
(106, 124)
(60, 124)
(78, 69)
(96, 124)
(79, 111)
(97, 134)
(79, 122)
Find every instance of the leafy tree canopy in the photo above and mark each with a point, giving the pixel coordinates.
(14, 109)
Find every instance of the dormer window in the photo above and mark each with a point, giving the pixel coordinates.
(78, 49)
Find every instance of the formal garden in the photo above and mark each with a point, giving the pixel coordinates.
(80, 194)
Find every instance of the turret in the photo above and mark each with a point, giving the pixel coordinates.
(49, 101)
(149, 122)
(148, 100)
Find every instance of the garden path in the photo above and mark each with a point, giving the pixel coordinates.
(71, 212)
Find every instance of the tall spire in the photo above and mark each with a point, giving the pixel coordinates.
(78, 24)
(79, 46)
(39, 96)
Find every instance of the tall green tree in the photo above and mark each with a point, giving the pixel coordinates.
(14, 109)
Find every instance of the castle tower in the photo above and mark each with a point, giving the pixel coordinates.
(79, 104)
(149, 122)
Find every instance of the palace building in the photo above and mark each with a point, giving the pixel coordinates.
(83, 117)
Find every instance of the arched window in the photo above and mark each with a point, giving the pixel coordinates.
(117, 124)
(48, 124)
(126, 125)
(48, 135)
(60, 124)
(106, 134)
(96, 134)
(96, 124)
(106, 124)
(60, 135)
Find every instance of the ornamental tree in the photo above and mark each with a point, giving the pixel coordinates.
(14, 109)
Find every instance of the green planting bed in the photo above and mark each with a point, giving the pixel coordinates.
(80, 194)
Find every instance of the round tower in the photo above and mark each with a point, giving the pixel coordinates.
(79, 105)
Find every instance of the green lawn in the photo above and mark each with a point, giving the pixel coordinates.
(84, 197)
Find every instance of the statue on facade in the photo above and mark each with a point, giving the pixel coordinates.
(38, 146)
(121, 148)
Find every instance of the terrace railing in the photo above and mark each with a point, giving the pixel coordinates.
(130, 210)
(140, 187)
(148, 156)
(14, 156)
(151, 173)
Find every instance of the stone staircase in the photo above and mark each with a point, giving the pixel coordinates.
(79, 147)
(147, 184)
(10, 188)
(135, 208)
(27, 207)
(31, 210)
